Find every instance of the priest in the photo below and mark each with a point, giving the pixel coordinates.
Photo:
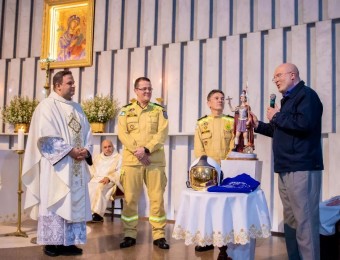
(55, 169)
(105, 173)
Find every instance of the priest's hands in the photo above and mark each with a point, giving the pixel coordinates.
(78, 154)
(105, 180)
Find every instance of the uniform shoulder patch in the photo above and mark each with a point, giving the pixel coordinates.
(124, 109)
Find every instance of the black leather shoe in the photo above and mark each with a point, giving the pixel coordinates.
(204, 248)
(223, 256)
(97, 218)
(70, 250)
(127, 242)
(161, 243)
(51, 250)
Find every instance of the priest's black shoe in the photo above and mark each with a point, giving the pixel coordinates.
(70, 250)
(127, 242)
(161, 243)
(97, 218)
(223, 256)
(204, 248)
(51, 250)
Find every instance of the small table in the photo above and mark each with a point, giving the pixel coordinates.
(217, 218)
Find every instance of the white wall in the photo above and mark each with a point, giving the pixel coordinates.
(187, 48)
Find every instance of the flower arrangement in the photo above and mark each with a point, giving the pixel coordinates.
(19, 110)
(100, 109)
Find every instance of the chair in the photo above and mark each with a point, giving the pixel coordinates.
(117, 194)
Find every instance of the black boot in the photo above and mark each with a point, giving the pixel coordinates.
(127, 242)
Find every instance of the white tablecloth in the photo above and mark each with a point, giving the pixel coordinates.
(217, 218)
(329, 215)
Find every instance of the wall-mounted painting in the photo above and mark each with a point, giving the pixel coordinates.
(67, 37)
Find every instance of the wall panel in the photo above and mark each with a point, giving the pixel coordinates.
(37, 21)
(299, 49)
(172, 85)
(8, 39)
(191, 102)
(287, 13)
(264, 15)
(310, 11)
(233, 69)
(242, 16)
(114, 25)
(13, 84)
(221, 18)
(99, 26)
(104, 73)
(323, 76)
(333, 9)
(255, 71)
(130, 23)
(183, 20)
(275, 58)
(148, 23)
(23, 28)
(77, 82)
(88, 81)
(202, 19)
(3, 66)
(137, 68)
(27, 85)
(155, 70)
(40, 81)
(165, 21)
(210, 71)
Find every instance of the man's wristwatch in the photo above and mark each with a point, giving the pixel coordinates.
(146, 150)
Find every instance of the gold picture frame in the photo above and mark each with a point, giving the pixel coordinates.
(67, 37)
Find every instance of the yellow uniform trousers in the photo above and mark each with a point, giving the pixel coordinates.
(132, 179)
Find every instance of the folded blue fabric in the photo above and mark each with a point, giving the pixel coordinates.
(242, 183)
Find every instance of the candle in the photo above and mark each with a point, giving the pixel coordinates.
(21, 139)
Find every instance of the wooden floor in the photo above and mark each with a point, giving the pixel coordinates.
(104, 238)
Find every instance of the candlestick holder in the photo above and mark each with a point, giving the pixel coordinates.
(19, 232)
(47, 62)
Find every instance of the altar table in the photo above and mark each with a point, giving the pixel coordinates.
(219, 218)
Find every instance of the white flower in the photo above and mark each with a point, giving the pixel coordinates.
(19, 110)
(100, 109)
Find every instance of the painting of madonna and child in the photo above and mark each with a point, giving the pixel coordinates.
(68, 33)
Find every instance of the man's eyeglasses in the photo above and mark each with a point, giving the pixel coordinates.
(145, 89)
(279, 75)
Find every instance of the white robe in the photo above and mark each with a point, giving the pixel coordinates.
(56, 183)
(104, 166)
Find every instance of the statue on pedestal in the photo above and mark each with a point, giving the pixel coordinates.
(243, 129)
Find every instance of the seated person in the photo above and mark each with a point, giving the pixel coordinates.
(105, 173)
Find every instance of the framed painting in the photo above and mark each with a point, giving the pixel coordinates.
(67, 37)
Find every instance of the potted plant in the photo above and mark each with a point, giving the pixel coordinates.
(99, 110)
(19, 112)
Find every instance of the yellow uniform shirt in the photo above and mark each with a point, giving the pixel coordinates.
(214, 136)
(143, 127)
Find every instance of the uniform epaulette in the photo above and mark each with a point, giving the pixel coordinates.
(156, 104)
(202, 118)
(228, 116)
(127, 105)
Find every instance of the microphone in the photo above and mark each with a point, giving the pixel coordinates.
(272, 100)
